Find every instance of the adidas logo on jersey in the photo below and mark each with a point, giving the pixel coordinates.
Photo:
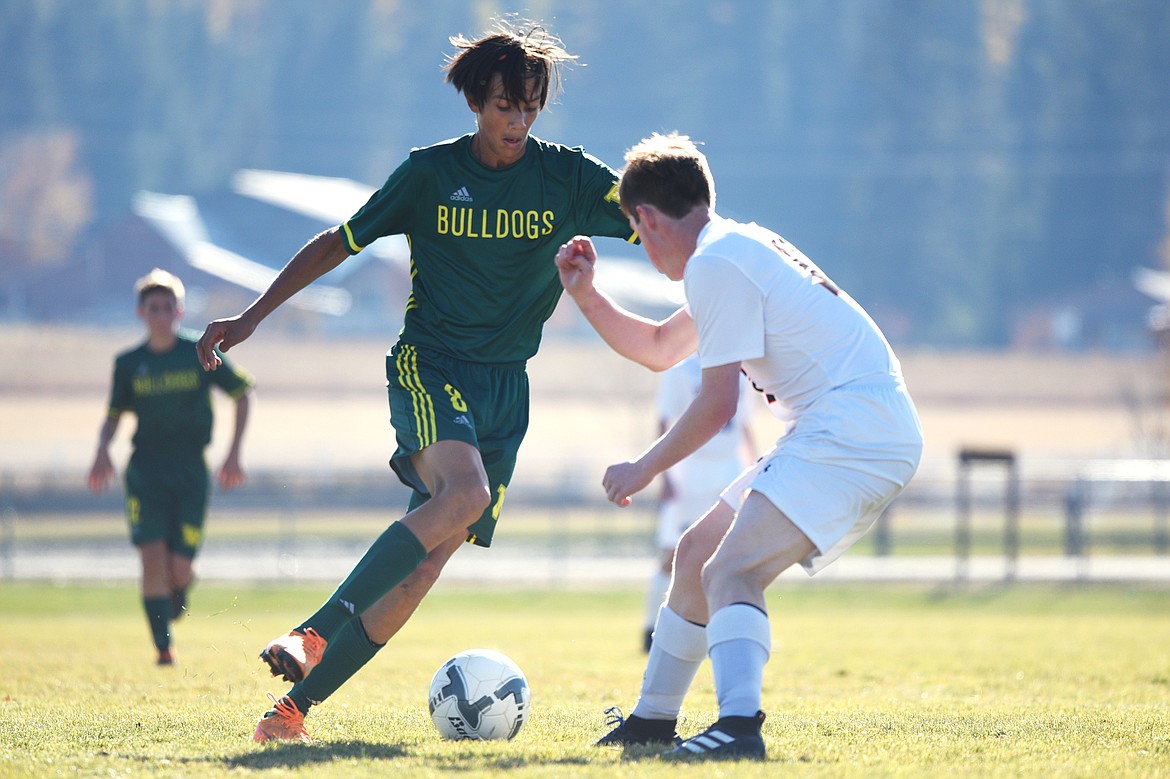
(461, 194)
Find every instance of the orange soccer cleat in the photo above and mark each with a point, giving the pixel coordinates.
(294, 656)
(283, 722)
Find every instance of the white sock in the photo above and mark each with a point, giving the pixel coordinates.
(675, 656)
(655, 595)
(739, 640)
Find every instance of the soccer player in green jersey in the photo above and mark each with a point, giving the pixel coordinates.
(484, 214)
(162, 383)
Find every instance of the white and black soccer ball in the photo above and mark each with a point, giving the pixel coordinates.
(479, 694)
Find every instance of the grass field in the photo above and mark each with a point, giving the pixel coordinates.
(864, 681)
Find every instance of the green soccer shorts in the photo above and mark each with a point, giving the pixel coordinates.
(438, 398)
(166, 499)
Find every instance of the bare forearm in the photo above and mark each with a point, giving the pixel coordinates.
(231, 475)
(702, 420)
(321, 254)
(710, 410)
(626, 333)
(656, 345)
(243, 408)
(107, 430)
(102, 469)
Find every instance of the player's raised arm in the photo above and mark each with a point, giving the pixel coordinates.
(656, 345)
(316, 258)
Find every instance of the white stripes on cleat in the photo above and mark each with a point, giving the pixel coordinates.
(707, 741)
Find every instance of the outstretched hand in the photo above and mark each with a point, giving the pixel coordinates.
(222, 333)
(576, 260)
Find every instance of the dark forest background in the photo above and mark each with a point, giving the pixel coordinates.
(978, 173)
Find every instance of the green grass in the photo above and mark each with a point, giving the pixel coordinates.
(864, 681)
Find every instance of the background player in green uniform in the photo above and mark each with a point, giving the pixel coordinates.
(161, 382)
(484, 214)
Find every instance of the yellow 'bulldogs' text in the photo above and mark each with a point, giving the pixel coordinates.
(464, 222)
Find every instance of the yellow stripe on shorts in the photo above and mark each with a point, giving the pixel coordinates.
(423, 406)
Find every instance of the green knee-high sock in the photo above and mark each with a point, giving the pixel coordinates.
(390, 559)
(158, 614)
(178, 603)
(346, 654)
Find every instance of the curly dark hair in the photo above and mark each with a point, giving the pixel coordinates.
(516, 49)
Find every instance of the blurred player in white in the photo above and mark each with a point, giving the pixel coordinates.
(693, 485)
(754, 303)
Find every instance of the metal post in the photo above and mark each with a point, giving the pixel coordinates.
(8, 543)
(1161, 528)
(8, 519)
(1011, 533)
(1074, 518)
(962, 519)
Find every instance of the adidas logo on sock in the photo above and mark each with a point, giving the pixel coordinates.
(461, 194)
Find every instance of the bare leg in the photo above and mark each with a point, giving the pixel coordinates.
(180, 571)
(182, 575)
(454, 475)
(156, 577)
(696, 546)
(656, 590)
(156, 595)
(680, 642)
(386, 617)
(761, 543)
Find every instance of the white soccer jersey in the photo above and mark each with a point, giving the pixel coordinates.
(855, 440)
(757, 300)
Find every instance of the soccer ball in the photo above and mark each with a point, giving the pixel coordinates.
(479, 694)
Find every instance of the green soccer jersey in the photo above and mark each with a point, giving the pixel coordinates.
(482, 241)
(170, 394)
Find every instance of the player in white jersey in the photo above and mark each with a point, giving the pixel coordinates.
(693, 485)
(753, 302)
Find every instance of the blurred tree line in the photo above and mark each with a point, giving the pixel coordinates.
(957, 165)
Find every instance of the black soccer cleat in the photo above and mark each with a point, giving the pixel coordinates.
(730, 738)
(635, 731)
